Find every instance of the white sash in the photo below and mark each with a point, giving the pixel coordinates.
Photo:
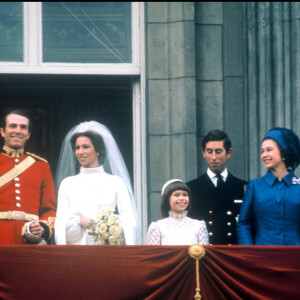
(16, 170)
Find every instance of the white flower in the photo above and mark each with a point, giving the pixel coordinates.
(114, 230)
(111, 220)
(296, 180)
(106, 228)
(100, 214)
(112, 239)
(102, 228)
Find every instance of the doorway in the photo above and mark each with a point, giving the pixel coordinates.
(56, 103)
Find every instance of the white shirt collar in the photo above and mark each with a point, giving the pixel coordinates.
(213, 177)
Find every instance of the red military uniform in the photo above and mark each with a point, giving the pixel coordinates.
(32, 192)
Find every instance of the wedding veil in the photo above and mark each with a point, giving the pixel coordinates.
(113, 164)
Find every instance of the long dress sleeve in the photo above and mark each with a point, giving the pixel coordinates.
(67, 225)
(125, 211)
(153, 236)
(245, 221)
(203, 234)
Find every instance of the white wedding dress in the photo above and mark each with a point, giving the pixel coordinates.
(177, 229)
(85, 194)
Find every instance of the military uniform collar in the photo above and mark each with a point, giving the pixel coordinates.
(13, 152)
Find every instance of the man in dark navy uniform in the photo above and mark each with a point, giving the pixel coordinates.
(216, 196)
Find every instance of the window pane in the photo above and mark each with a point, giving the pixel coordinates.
(11, 31)
(87, 32)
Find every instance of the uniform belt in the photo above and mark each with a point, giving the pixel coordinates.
(17, 215)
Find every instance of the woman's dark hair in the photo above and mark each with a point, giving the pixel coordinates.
(288, 144)
(165, 198)
(216, 135)
(96, 140)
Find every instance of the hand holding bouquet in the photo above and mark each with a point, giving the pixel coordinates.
(106, 228)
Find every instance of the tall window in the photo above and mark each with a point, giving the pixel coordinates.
(100, 37)
(11, 31)
(86, 32)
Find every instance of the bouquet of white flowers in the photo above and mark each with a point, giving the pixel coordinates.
(106, 228)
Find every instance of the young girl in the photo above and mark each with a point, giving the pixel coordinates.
(176, 228)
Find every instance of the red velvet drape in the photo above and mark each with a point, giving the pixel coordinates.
(95, 272)
(250, 272)
(148, 272)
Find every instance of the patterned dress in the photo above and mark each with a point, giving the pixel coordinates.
(177, 229)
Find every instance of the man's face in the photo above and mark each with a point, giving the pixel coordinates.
(16, 132)
(216, 156)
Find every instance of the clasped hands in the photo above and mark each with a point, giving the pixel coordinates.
(35, 228)
(32, 232)
(85, 222)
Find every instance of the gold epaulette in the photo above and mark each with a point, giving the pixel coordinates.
(37, 157)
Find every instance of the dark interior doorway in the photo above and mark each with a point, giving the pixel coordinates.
(56, 103)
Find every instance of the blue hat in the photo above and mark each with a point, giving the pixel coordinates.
(276, 135)
(289, 142)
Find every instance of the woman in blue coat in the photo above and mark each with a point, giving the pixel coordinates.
(270, 213)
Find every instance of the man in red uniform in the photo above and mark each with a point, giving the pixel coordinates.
(27, 192)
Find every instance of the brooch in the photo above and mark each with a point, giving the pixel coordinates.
(296, 180)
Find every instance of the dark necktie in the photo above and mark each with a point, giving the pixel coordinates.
(220, 182)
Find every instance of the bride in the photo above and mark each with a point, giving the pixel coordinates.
(81, 196)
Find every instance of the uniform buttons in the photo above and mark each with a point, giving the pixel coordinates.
(17, 179)
(229, 234)
(210, 222)
(17, 184)
(18, 204)
(210, 234)
(16, 160)
(229, 213)
(229, 224)
(210, 212)
(18, 198)
(18, 192)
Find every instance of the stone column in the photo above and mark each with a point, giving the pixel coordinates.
(220, 77)
(273, 72)
(171, 96)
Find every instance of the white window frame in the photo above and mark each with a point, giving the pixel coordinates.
(33, 63)
(136, 70)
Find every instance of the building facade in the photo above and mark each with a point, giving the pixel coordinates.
(159, 75)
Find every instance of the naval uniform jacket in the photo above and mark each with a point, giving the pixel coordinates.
(218, 207)
(32, 192)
